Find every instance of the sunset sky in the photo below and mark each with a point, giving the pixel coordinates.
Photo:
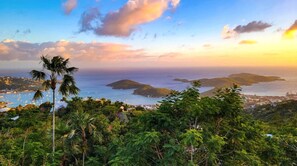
(149, 33)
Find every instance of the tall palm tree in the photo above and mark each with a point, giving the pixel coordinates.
(55, 70)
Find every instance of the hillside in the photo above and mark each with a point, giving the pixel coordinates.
(149, 91)
(140, 89)
(125, 84)
(15, 84)
(101, 132)
(280, 112)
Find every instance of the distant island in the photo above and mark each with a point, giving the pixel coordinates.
(140, 89)
(241, 79)
(17, 84)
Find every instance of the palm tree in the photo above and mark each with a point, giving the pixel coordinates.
(55, 70)
(83, 127)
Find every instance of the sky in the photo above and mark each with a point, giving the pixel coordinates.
(149, 33)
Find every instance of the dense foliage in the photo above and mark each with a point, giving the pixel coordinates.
(185, 129)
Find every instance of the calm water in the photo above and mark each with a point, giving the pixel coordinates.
(93, 82)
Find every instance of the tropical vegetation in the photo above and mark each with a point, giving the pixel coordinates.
(186, 129)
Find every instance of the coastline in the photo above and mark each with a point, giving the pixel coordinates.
(14, 92)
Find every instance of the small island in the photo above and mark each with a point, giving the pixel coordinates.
(140, 89)
(126, 84)
(18, 84)
(241, 79)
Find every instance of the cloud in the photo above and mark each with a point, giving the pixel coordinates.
(88, 19)
(18, 50)
(168, 17)
(3, 49)
(254, 26)
(125, 21)
(207, 46)
(170, 56)
(175, 3)
(77, 51)
(291, 32)
(248, 42)
(280, 30)
(69, 5)
(228, 33)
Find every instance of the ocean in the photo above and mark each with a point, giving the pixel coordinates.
(93, 82)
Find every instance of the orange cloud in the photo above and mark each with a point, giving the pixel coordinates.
(3, 49)
(124, 21)
(248, 42)
(78, 51)
(69, 5)
(291, 32)
(170, 56)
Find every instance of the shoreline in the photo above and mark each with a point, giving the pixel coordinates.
(7, 92)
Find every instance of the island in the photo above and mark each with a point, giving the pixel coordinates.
(18, 84)
(126, 84)
(149, 91)
(140, 89)
(241, 79)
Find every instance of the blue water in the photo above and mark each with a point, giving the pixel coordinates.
(93, 83)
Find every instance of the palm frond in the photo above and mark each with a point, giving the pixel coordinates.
(38, 94)
(46, 62)
(68, 80)
(37, 75)
(46, 85)
(63, 89)
(71, 70)
(73, 90)
(68, 86)
(65, 62)
(66, 83)
(58, 65)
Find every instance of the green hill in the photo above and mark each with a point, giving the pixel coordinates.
(276, 113)
(9, 84)
(149, 91)
(125, 84)
(140, 89)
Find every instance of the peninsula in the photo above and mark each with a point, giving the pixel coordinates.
(140, 89)
(241, 79)
(17, 84)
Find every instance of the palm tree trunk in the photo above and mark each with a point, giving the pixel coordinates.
(85, 144)
(54, 122)
(83, 159)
